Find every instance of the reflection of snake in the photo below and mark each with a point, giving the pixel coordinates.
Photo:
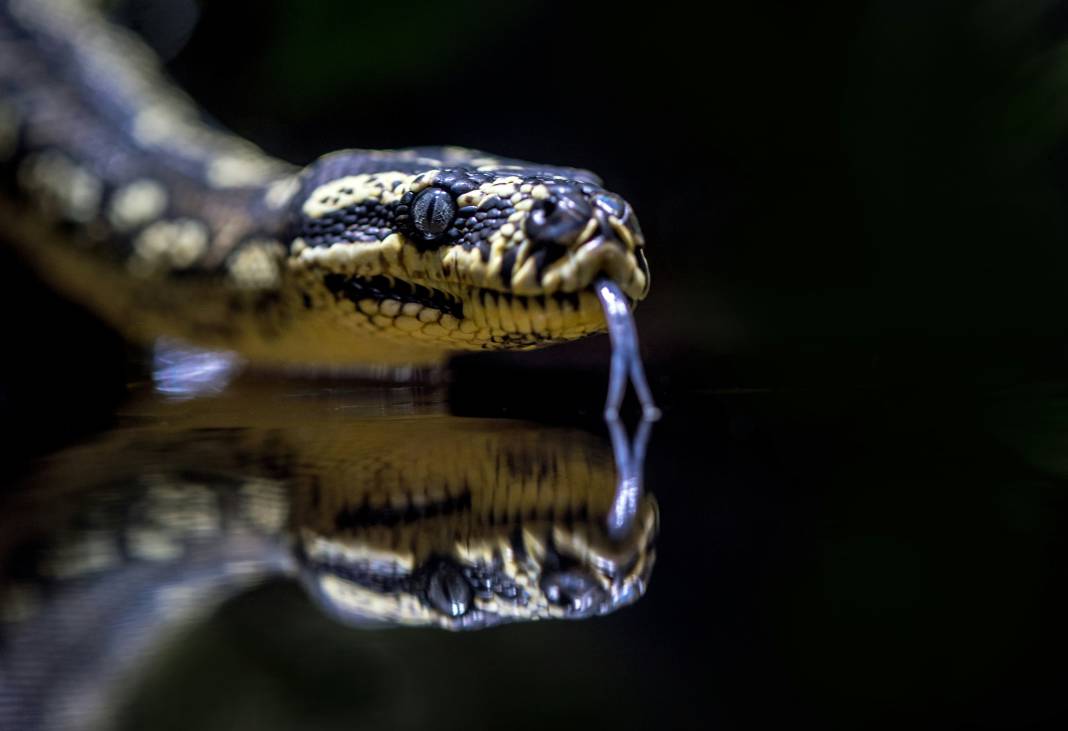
(411, 518)
(122, 197)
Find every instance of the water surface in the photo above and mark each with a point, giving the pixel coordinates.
(852, 557)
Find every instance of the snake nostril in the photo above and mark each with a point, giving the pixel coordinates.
(558, 219)
(572, 590)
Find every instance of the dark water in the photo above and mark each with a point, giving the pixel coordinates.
(851, 557)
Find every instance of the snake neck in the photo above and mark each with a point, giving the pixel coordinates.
(93, 136)
(121, 195)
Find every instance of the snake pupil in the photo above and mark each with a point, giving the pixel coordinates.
(432, 212)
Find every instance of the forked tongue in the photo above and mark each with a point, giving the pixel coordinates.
(626, 363)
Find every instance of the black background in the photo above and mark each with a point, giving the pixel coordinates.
(855, 220)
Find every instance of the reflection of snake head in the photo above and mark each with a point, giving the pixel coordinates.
(457, 248)
(431, 520)
(520, 536)
(519, 573)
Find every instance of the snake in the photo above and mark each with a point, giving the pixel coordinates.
(119, 194)
(388, 515)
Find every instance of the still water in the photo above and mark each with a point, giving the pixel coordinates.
(285, 554)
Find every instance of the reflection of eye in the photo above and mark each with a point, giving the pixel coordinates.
(448, 590)
(572, 589)
(432, 212)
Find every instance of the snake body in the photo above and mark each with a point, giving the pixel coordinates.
(117, 191)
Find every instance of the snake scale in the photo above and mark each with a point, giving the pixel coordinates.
(120, 195)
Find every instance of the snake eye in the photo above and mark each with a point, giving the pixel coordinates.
(448, 590)
(432, 212)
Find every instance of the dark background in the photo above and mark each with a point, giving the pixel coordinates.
(855, 215)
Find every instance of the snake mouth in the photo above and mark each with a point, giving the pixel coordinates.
(470, 317)
(381, 289)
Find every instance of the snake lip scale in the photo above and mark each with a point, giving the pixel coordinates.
(382, 288)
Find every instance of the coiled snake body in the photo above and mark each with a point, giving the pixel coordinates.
(123, 198)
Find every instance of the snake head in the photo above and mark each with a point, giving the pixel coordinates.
(471, 523)
(453, 247)
(458, 591)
